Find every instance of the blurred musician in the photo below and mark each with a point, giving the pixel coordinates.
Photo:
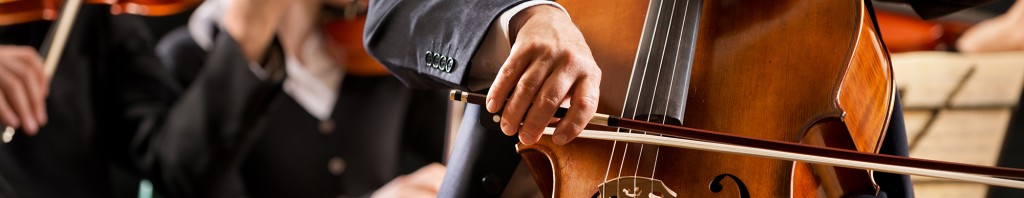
(318, 131)
(75, 131)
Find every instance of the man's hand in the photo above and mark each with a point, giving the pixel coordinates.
(23, 88)
(425, 182)
(550, 62)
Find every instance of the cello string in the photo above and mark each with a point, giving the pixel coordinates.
(791, 156)
(672, 80)
(643, 77)
(657, 82)
(609, 168)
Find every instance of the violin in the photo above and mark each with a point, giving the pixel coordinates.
(903, 33)
(345, 32)
(22, 11)
(64, 14)
(786, 98)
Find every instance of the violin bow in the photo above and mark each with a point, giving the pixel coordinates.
(57, 39)
(690, 138)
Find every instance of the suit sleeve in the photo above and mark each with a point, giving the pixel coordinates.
(210, 127)
(180, 53)
(429, 43)
(133, 91)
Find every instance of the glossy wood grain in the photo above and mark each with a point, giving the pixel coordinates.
(784, 70)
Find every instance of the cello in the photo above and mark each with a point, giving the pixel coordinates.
(793, 72)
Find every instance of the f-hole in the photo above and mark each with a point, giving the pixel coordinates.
(716, 185)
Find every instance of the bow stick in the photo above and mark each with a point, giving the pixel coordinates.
(690, 138)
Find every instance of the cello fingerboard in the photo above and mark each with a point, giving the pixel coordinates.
(661, 72)
(658, 85)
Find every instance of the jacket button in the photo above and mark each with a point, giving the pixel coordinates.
(326, 127)
(451, 64)
(441, 63)
(429, 58)
(434, 60)
(336, 166)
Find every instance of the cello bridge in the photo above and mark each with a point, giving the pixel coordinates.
(634, 187)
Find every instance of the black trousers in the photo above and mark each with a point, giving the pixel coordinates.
(895, 143)
(1010, 155)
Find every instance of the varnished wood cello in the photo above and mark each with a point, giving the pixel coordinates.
(791, 71)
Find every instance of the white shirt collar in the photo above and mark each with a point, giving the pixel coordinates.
(314, 83)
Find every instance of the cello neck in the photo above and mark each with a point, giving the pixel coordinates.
(660, 78)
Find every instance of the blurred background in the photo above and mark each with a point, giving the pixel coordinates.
(960, 105)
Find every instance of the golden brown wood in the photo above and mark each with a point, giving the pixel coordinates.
(764, 69)
(615, 26)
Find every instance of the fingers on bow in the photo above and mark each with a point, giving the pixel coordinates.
(23, 90)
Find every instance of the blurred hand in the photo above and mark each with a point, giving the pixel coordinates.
(1002, 33)
(425, 182)
(549, 62)
(23, 88)
(252, 23)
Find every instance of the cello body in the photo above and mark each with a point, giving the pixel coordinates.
(807, 71)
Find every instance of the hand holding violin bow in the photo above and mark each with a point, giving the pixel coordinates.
(26, 74)
(23, 90)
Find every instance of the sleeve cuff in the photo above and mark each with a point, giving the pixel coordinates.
(506, 16)
(495, 48)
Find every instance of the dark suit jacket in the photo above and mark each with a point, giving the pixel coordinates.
(429, 43)
(242, 136)
(108, 87)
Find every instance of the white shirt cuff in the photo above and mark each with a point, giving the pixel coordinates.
(506, 16)
(496, 46)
